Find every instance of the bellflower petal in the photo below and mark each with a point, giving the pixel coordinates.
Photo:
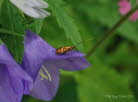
(42, 64)
(11, 78)
(7, 93)
(32, 8)
(34, 54)
(71, 64)
(45, 89)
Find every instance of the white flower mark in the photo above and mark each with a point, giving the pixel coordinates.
(47, 76)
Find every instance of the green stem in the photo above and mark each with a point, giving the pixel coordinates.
(10, 33)
(110, 32)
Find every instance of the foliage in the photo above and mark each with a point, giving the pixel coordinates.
(113, 74)
(8, 21)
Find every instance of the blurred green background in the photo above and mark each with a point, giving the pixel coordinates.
(113, 75)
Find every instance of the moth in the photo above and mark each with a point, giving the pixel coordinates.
(69, 48)
(64, 49)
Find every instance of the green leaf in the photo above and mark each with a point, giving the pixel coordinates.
(12, 21)
(101, 83)
(1, 42)
(123, 56)
(49, 32)
(100, 13)
(39, 25)
(66, 21)
(1, 1)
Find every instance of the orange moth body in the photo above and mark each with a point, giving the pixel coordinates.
(64, 49)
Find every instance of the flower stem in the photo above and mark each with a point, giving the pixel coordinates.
(110, 32)
(10, 33)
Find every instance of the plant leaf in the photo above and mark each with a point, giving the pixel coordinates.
(66, 22)
(12, 21)
(100, 83)
(39, 25)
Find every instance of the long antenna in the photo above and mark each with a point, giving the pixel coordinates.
(83, 41)
(68, 48)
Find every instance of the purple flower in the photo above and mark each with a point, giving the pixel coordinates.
(125, 7)
(43, 64)
(11, 78)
